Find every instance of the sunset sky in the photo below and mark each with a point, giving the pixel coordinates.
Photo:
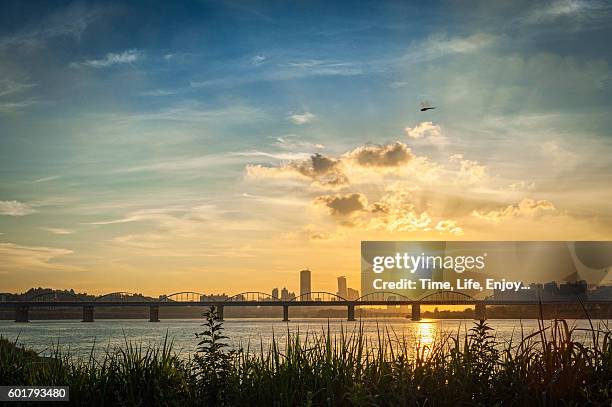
(223, 146)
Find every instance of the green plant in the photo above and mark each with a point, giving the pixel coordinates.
(212, 360)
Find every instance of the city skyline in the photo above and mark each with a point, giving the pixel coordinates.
(215, 145)
(541, 290)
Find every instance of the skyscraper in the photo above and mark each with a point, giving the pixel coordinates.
(305, 287)
(275, 293)
(342, 287)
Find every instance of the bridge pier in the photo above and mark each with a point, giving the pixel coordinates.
(351, 312)
(154, 313)
(416, 311)
(480, 311)
(285, 313)
(220, 312)
(22, 314)
(88, 313)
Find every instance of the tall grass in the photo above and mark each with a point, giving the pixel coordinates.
(547, 367)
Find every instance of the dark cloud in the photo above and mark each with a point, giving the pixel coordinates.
(343, 205)
(324, 170)
(390, 155)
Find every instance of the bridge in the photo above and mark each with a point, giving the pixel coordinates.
(259, 299)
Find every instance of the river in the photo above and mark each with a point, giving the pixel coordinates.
(79, 338)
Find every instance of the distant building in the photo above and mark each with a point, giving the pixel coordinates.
(275, 293)
(286, 295)
(342, 290)
(305, 284)
(602, 292)
(536, 290)
(576, 289)
(550, 291)
(352, 294)
(214, 297)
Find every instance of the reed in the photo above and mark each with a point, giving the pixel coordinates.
(547, 367)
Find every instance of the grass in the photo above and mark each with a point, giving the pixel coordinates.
(548, 367)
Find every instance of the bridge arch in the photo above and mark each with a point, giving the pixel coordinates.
(383, 296)
(123, 296)
(182, 296)
(54, 296)
(448, 296)
(322, 296)
(254, 296)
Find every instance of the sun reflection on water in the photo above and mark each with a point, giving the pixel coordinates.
(425, 332)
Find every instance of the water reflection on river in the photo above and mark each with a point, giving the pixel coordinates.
(79, 338)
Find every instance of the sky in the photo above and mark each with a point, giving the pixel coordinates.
(216, 146)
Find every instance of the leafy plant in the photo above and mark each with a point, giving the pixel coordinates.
(212, 360)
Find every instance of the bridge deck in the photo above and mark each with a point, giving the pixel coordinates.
(36, 304)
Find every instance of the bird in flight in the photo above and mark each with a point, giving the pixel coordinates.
(425, 106)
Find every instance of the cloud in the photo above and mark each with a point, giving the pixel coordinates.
(46, 179)
(275, 156)
(185, 163)
(57, 231)
(460, 45)
(258, 60)
(319, 169)
(126, 57)
(426, 131)
(159, 215)
(362, 164)
(525, 208)
(321, 67)
(9, 87)
(10, 107)
(160, 92)
(15, 208)
(522, 186)
(318, 165)
(343, 205)
(404, 219)
(585, 12)
(394, 211)
(390, 155)
(191, 112)
(293, 142)
(70, 22)
(553, 151)
(315, 233)
(17, 258)
(290, 71)
(449, 226)
(398, 84)
(470, 172)
(321, 236)
(439, 45)
(303, 118)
